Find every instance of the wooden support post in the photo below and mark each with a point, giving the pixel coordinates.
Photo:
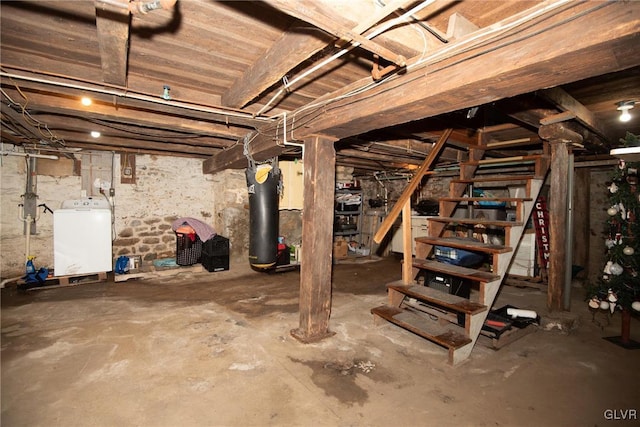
(407, 244)
(559, 137)
(317, 240)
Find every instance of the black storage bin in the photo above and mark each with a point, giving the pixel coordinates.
(284, 256)
(215, 262)
(217, 245)
(215, 254)
(188, 249)
(447, 284)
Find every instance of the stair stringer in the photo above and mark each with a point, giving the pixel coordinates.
(489, 290)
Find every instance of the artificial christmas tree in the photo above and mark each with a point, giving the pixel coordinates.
(619, 286)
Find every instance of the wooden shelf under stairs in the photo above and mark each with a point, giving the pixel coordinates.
(448, 320)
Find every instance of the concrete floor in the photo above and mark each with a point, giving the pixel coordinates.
(214, 349)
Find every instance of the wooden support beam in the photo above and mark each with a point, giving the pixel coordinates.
(261, 148)
(317, 240)
(512, 142)
(381, 157)
(313, 13)
(559, 138)
(499, 128)
(557, 118)
(593, 34)
(568, 104)
(113, 38)
(293, 48)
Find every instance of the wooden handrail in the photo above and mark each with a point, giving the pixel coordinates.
(413, 184)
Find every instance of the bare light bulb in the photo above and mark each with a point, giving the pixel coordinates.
(86, 101)
(95, 134)
(625, 116)
(624, 108)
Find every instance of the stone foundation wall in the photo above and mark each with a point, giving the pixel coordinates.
(166, 188)
(152, 239)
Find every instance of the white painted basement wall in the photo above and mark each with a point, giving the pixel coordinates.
(166, 188)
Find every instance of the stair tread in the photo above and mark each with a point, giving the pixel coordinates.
(455, 270)
(469, 244)
(449, 336)
(452, 302)
(475, 221)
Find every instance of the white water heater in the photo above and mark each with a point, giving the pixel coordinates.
(82, 237)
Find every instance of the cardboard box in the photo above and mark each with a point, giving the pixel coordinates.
(340, 248)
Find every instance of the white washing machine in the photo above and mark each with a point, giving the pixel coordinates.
(82, 237)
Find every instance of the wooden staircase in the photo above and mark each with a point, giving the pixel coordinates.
(451, 321)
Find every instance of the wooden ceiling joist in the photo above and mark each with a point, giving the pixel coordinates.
(359, 154)
(568, 104)
(293, 48)
(136, 133)
(113, 38)
(315, 13)
(121, 113)
(82, 139)
(591, 34)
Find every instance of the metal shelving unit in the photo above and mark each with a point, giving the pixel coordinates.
(348, 215)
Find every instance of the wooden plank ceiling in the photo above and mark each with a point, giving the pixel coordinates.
(201, 78)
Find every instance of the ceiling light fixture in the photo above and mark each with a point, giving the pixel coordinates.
(95, 134)
(624, 107)
(86, 101)
(628, 154)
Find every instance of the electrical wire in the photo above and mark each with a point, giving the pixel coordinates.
(27, 116)
(30, 120)
(377, 31)
(498, 29)
(106, 89)
(163, 132)
(54, 139)
(18, 128)
(425, 45)
(451, 50)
